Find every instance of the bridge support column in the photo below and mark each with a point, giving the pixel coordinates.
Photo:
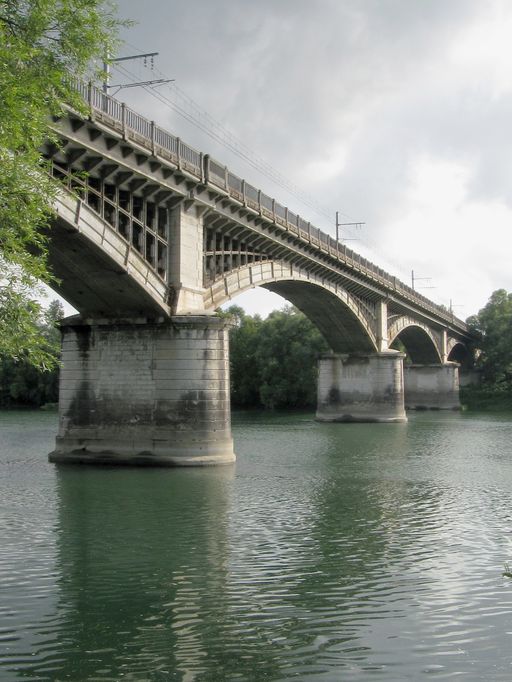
(432, 387)
(145, 393)
(361, 388)
(186, 260)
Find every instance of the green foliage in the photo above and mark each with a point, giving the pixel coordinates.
(487, 397)
(21, 382)
(42, 42)
(493, 327)
(273, 361)
(244, 338)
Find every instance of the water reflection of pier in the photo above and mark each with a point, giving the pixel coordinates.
(137, 561)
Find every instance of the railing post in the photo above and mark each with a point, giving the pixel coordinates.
(286, 216)
(259, 201)
(201, 167)
(178, 152)
(273, 210)
(206, 163)
(89, 97)
(243, 193)
(153, 148)
(123, 119)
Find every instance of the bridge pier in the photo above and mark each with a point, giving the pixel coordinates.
(432, 387)
(145, 392)
(361, 388)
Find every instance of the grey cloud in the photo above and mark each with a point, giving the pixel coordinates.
(296, 79)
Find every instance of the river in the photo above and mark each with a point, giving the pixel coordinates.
(328, 552)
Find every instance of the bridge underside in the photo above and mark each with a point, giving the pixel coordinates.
(97, 271)
(337, 323)
(91, 281)
(420, 347)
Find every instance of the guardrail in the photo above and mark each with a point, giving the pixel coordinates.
(160, 142)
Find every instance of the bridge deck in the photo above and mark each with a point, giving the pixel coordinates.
(200, 170)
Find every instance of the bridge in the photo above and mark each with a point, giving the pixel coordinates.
(150, 237)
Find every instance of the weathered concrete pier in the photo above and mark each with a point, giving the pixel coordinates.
(361, 388)
(145, 392)
(151, 241)
(432, 387)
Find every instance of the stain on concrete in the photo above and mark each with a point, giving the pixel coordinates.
(334, 395)
(83, 341)
(82, 405)
(190, 411)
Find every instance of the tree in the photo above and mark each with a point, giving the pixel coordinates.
(288, 350)
(493, 325)
(22, 383)
(273, 361)
(244, 338)
(44, 44)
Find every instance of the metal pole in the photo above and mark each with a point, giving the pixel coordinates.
(106, 71)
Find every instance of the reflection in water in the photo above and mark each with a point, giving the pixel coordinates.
(332, 551)
(141, 554)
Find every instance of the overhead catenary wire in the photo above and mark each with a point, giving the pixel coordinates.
(205, 122)
(175, 99)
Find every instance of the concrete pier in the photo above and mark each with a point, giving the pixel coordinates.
(432, 387)
(145, 392)
(361, 388)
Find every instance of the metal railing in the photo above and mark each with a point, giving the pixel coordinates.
(160, 142)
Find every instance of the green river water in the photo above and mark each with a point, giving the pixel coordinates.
(328, 552)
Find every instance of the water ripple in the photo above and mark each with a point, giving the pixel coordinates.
(330, 552)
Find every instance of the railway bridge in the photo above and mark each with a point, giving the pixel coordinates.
(150, 237)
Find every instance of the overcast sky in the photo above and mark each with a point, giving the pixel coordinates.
(396, 112)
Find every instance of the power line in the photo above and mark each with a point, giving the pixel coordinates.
(202, 120)
(178, 101)
(192, 112)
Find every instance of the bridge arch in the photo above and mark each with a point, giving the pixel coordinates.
(99, 272)
(458, 352)
(345, 323)
(422, 346)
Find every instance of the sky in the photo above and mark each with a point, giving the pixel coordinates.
(394, 112)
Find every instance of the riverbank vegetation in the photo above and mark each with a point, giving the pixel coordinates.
(273, 361)
(22, 384)
(493, 329)
(43, 47)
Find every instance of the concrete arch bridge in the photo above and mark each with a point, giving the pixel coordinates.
(150, 237)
